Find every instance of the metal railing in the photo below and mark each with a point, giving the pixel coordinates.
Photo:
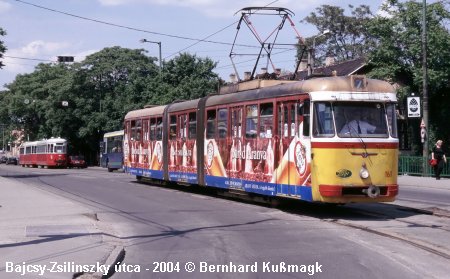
(412, 165)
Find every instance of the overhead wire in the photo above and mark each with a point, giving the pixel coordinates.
(209, 36)
(197, 41)
(25, 58)
(128, 27)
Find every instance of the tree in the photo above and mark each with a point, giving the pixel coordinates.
(34, 101)
(100, 91)
(397, 56)
(190, 77)
(348, 37)
(2, 47)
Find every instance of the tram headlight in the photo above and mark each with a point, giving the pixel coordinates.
(364, 172)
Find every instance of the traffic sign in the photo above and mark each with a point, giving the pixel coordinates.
(413, 104)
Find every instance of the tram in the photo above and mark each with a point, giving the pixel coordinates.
(111, 154)
(45, 153)
(328, 139)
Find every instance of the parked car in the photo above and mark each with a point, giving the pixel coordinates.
(77, 161)
(11, 161)
(3, 160)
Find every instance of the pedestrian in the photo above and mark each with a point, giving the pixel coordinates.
(438, 154)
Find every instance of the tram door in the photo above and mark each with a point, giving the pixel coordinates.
(235, 165)
(287, 171)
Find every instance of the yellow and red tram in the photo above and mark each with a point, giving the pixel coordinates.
(329, 139)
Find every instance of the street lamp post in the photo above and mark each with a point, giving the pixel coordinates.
(312, 51)
(159, 45)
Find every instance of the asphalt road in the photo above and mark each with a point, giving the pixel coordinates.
(172, 233)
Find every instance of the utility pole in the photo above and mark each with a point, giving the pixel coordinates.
(425, 88)
(3, 135)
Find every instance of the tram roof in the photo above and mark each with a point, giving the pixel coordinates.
(44, 141)
(192, 104)
(158, 110)
(330, 88)
(344, 84)
(113, 134)
(51, 140)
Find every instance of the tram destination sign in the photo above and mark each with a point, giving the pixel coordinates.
(413, 104)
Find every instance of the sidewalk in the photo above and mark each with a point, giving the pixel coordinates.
(39, 229)
(42, 233)
(419, 181)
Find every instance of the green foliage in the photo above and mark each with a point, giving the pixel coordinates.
(100, 91)
(2, 47)
(398, 55)
(190, 77)
(348, 37)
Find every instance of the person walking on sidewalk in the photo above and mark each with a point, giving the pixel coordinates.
(438, 154)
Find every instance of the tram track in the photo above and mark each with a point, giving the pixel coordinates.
(317, 212)
(348, 216)
(433, 248)
(406, 239)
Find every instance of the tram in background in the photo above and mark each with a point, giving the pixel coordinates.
(111, 151)
(45, 153)
(275, 138)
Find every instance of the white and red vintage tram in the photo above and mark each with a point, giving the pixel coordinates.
(44, 153)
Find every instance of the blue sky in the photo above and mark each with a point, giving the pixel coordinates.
(41, 34)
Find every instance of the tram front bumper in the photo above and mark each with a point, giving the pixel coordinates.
(330, 191)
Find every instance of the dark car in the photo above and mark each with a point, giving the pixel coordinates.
(3, 160)
(77, 161)
(11, 161)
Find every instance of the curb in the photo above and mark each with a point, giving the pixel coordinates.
(115, 258)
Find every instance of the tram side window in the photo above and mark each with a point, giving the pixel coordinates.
(210, 124)
(192, 125)
(182, 125)
(304, 110)
(159, 128)
(60, 148)
(41, 149)
(146, 130)
(173, 127)
(138, 130)
(223, 123)
(323, 125)
(236, 122)
(266, 121)
(133, 130)
(392, 119)
(293, 114)
(152, 129)
(251, 123)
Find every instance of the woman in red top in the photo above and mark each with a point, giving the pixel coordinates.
(438, 154)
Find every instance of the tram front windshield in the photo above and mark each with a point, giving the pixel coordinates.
(354, 119)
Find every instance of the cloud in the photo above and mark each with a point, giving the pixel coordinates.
(113, 2)
(4, 7)
(218, 8)
(33, 50)
(82, 55)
